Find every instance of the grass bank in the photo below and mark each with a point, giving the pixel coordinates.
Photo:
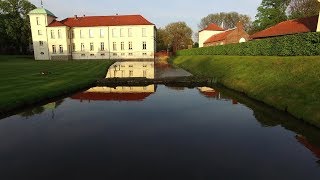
(22, 82)
(289, 84)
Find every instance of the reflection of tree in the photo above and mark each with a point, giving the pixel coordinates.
(58, 103)
(32, 112)
(176, 88)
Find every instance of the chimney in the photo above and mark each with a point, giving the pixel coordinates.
(75, 17)
(240, 25)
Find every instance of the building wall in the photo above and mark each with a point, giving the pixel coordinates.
(38, 25)
(132, 69)
(112, 34)
(204, 35)
(123, 89)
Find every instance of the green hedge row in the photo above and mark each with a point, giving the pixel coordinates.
(304, 44)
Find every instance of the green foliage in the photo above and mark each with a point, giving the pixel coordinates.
(270, 12)
(303, 8)
(305, 44)
(287, 83)
(22, 82)
(229, 20)
(161, 37)
(15, 24)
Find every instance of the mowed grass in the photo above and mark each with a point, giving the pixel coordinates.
(290, 84)
(22, 82)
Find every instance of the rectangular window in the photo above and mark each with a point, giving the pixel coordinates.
(69, 48)
(72, 33)
(114, 34)
(130, 54)
(91, 35)
(81, 34)
(73, 47)
(144, 73)
(59, 34)
(121, 32)
(41, 43)
(144, 54)
(102, 33)
(114, 46)
(61, 49)
(91, 47)
(130, 45)
(115, 54)
(82, 46)
(130, 32)
(130, 73)
(144, 45)
(102, 46)
(52, 34)
(144, 32)
(122, 46)
(39, 32)
(54, 50)
(38, 22)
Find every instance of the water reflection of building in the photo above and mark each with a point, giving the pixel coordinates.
(314, 149)
(121, 93)
(132, 69)
(212, 93)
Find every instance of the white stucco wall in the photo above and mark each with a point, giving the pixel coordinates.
(204, 35)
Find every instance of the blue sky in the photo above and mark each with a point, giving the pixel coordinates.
(159, 12)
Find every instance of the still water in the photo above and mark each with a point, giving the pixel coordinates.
(157, 132)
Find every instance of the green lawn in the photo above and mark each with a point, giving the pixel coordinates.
(22, 84)
(290, 84)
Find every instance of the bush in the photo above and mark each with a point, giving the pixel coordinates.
(304, 44)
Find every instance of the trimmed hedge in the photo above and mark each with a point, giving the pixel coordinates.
(304, 44)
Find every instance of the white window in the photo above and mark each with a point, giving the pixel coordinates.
(130, 32)
(115, 54)
(130, 45)
(54, 50)
(82, 46)
(38, 22)
(102, 46)
(91, 35)
(61, 49)
(144, 32)
(114, 33)
(144, 54)
(81, 34)
(73, 47)
(144, 45)
(52, 34)
(59, 34)
(130, 73)
(41, 43)
(130, 54)
(72, 33)
(102, 33)
(122, 46)
(121, 32)
(39, 32)
(114, 46)
(91, 47)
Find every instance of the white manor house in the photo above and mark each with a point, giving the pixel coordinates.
(91, 37)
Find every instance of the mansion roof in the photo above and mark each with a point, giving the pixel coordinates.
(92, 21)
(219, 37)
(294, 26)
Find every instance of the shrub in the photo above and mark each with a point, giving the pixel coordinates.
(304, 44)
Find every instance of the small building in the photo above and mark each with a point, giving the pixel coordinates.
(230, 36)
(209, 31)
(91, 37)
(295, 26)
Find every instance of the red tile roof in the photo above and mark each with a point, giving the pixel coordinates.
(213, 27)
(91, 21)
(219, 37)
(289, 27)
(94, 96)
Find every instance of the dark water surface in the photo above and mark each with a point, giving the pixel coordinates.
(171, 133)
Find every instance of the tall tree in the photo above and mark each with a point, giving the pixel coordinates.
(161, 36)
(16, 24)
(178, 35)
(303, 8)
(270, 12)
(227, 20)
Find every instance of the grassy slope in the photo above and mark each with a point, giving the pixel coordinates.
(288, 83)
(21, 82)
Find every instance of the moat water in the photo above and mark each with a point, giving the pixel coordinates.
(157, 132)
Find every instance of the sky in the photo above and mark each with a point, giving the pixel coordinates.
(160, 12)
